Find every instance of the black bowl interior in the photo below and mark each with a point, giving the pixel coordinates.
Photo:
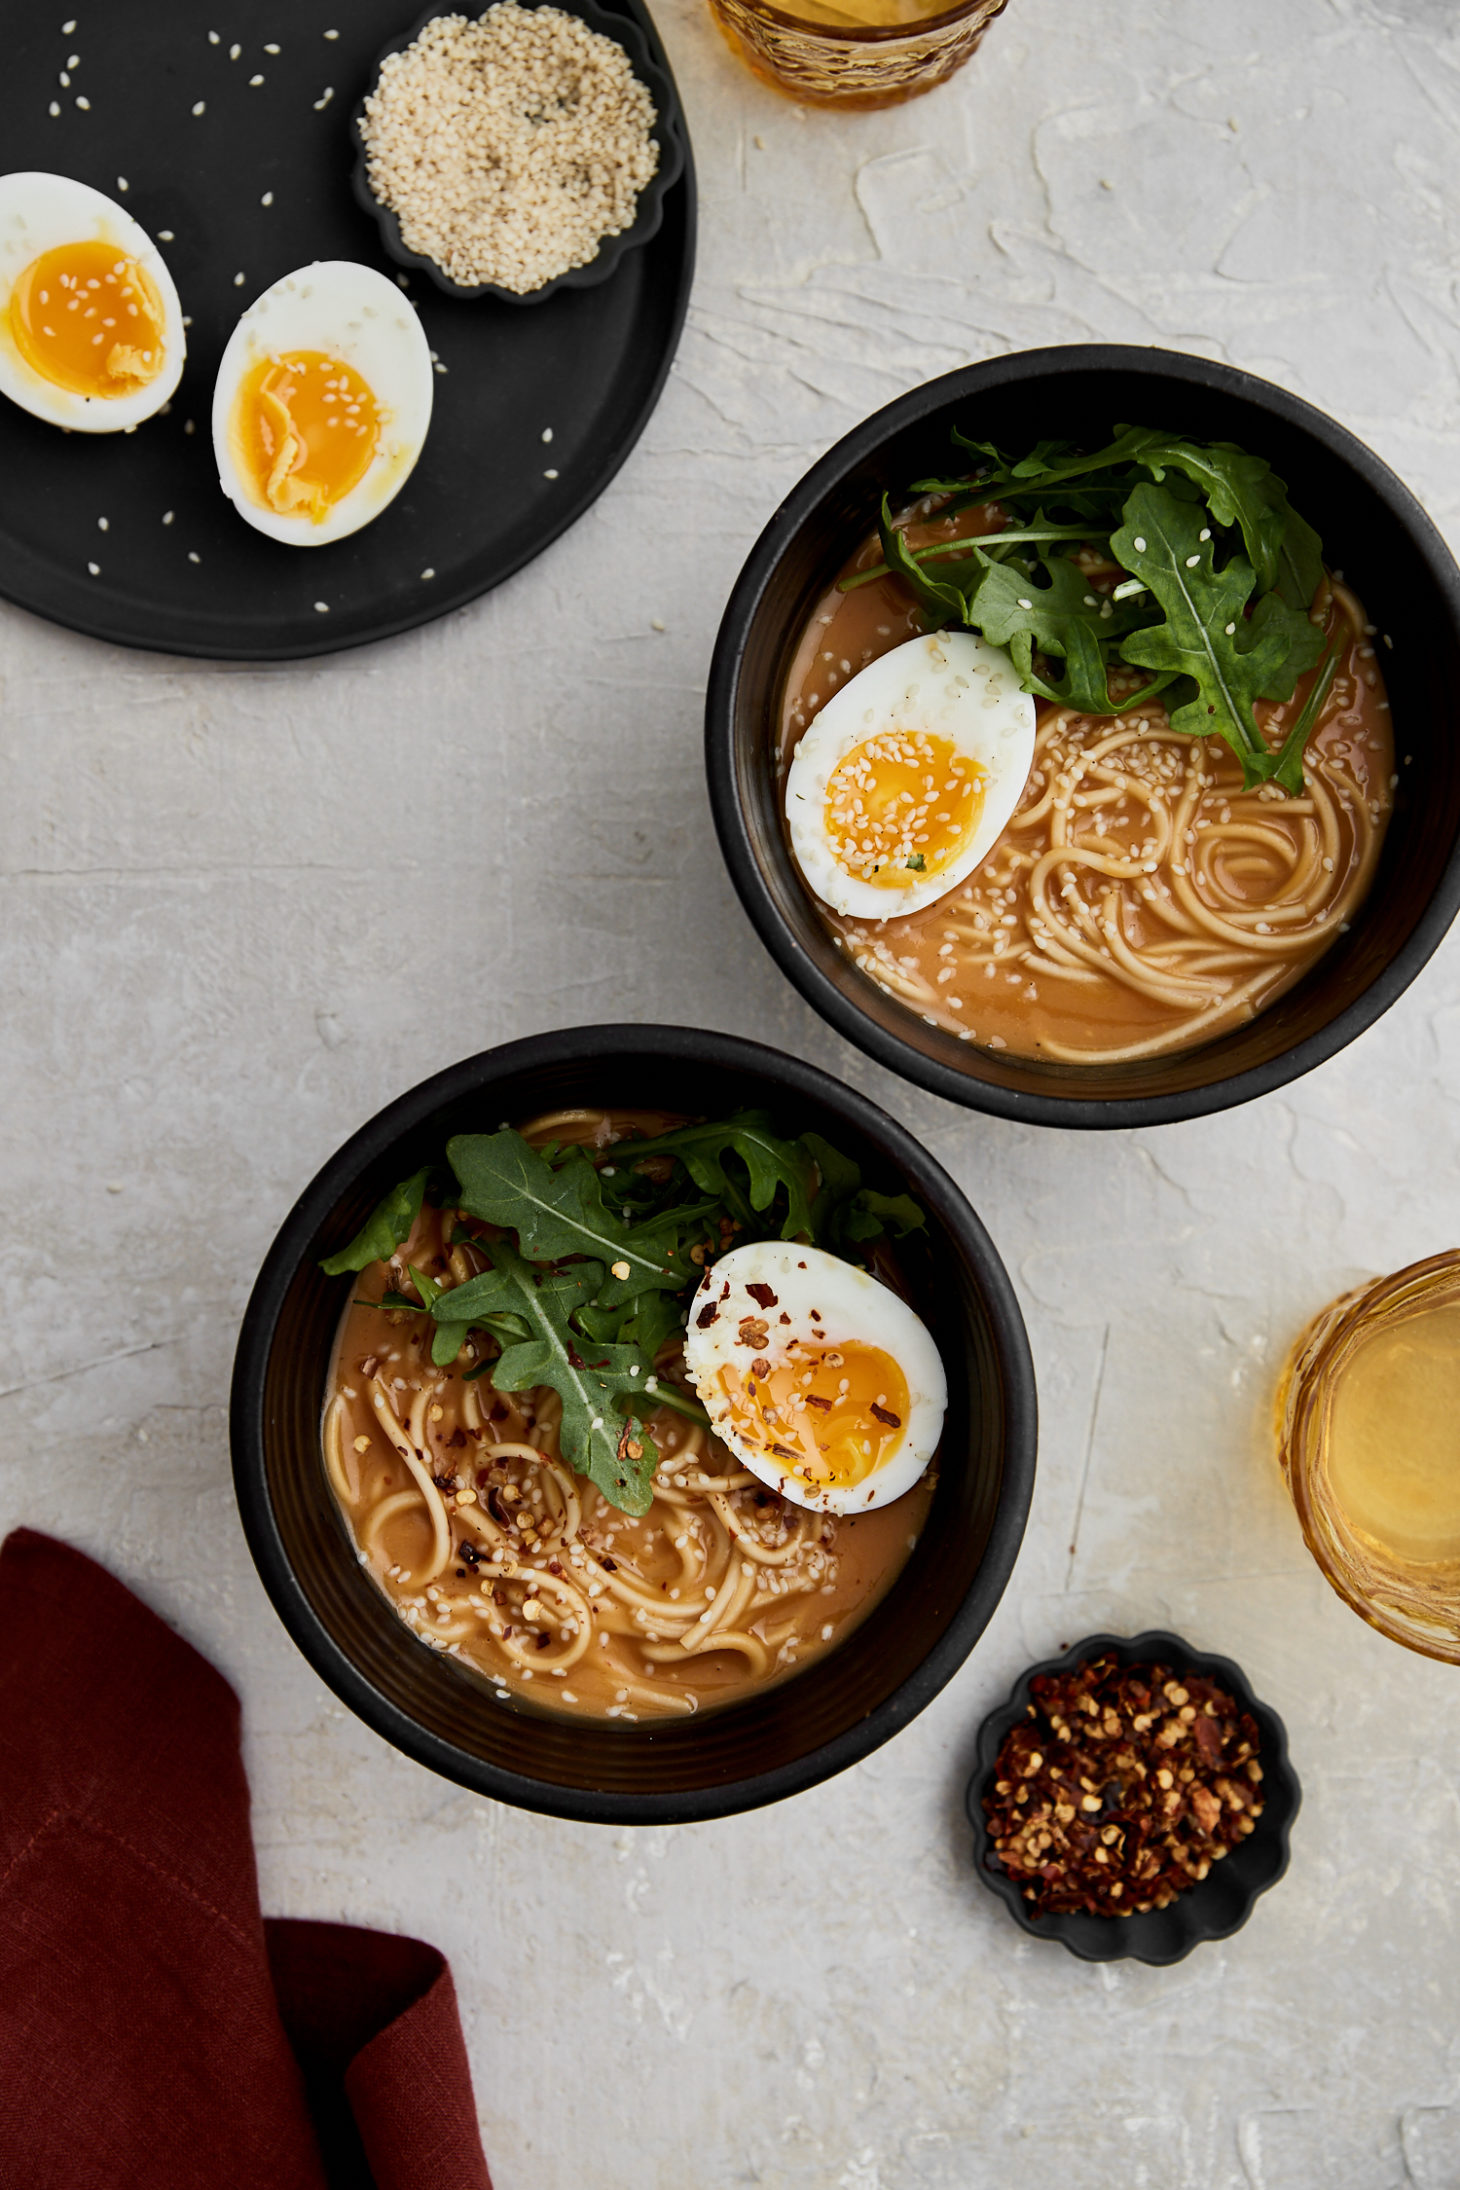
(1373, 530)
(438, 1710)
(1218, 1904)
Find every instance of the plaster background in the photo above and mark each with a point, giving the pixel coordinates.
(225, 893)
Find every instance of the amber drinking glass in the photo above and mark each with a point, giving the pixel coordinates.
(863, 53)
(1368, 1426)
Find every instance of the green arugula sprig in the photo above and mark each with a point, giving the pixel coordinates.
(1220, 572)
(605, 1257)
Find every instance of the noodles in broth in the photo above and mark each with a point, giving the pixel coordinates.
(494, 1551)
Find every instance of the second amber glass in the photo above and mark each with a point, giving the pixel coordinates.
(1375, 1498)
(865, 53)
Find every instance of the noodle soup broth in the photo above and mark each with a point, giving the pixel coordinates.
(1140, 901)
(493, 1551)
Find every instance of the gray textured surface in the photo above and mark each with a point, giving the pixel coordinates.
(223, 897)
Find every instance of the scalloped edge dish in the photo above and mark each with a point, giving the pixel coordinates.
(1219, 1904)
(668, 133)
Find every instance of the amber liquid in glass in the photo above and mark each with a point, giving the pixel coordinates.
(1369, 1440)
(860, 53)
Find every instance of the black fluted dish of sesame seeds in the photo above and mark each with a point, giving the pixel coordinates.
(1212, 1906)
(534, 411)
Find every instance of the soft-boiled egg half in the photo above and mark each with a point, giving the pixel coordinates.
(819, 1379)
(908, 776)
(322, 403)
(91, 331)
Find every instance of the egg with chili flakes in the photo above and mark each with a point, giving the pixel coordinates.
(91, 330)
(322, 403)
(819, 1378)
(907, 777)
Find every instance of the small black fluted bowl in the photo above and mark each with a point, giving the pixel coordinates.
(1374, 530)
(654, 1772)
(634, 31)
(1216, 1905)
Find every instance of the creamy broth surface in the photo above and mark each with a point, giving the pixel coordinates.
(1140, 900)
(490, 1548)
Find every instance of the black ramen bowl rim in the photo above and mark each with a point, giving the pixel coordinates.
(957, 1082)
(297, 1237)
(1206, 1910)
(667, 131)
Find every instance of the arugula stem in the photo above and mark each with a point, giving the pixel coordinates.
(669, 1395)
(948, 550)
(1294, 744)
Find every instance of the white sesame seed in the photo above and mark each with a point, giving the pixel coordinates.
(212, 37)
(1192, 561)
(95, 569)
(267, 198)
(103, 524)
(85, 105)
(194, 558)
(322, 608)
(68, 28)
(165, 235)
(1140, 547)
(199, 106)
(167, 516)
(428, 572)
(322, 102)
(234, 52)
(255, 80)
(332, 34)
(272, 49)
(238, 280)
(55, 106)
(550, 475)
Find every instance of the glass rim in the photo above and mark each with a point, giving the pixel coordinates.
(871, 34)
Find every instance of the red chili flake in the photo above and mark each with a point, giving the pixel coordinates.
(1121, 1787)
(707, 1316)
(885, 1414)
(610, 1564)
(763, 1296)
(823, 1406)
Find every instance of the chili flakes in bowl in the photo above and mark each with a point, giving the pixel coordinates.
(1122, 1786)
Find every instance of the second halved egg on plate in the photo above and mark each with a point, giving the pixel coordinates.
(322, 403)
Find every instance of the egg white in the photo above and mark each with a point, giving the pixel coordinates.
(853, 1308)
(950, 684)
(39, 213)
(349, 312)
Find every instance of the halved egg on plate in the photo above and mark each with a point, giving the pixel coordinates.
(819, 1378)
(322, 403)
(909, 774)
(91, 332)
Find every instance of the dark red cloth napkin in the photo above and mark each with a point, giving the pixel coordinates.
(154, 2030)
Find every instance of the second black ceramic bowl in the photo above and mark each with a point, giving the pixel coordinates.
(1374, 531)
(653, 1772)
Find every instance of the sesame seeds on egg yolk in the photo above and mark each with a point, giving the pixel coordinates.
(304, 429)
(902, 799)
(89, 319)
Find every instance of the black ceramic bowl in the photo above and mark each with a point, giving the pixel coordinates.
(1218, 1904)
(655, 1772)
(1375, 532)
(647, 59)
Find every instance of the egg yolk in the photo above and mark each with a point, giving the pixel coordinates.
(304, 429)
(832, 1415)
(89, 319)
(902, 802)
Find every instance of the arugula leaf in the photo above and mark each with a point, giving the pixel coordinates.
(554, 1212)
(847, 1213)
(772, 1166)
(1206, 634)
(1061, 616)
(602, 1385)
(388, 1223)
(940, 600)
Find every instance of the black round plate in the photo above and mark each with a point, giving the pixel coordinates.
(585, 367)
(1218, 1904)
